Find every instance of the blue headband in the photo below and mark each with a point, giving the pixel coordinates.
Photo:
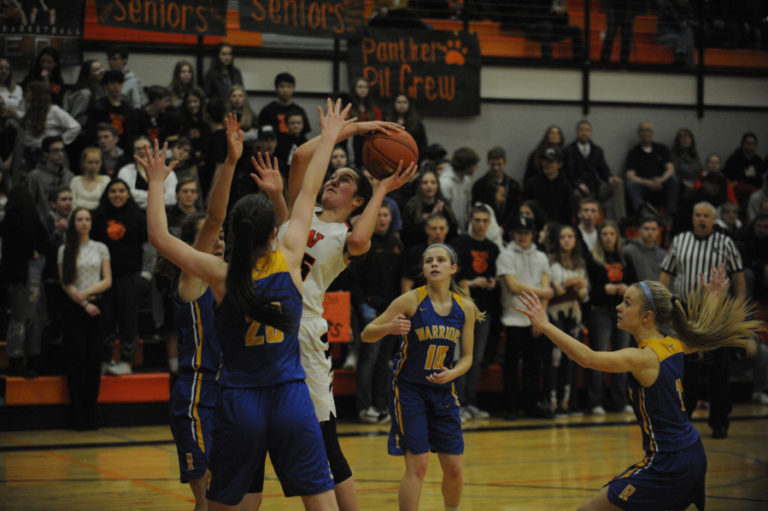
(446, 247)
(647, 292)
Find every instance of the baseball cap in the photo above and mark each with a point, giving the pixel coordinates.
(267, 131)
(553, 154)
(523, 223)
(435, 152)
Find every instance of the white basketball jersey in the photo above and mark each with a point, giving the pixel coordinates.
(323, 262)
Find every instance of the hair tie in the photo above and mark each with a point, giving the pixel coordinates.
(647, 292)
(446, 247)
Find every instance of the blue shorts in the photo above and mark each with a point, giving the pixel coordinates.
(190, 411)
(668, 480)
(424, 418)
(250, 422)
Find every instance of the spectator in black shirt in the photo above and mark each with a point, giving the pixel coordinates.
(650, 173)
(485, 189)
(551, 188)
(150, 120)
(477, 277)
(112, 110)
(276, 112)
(216, 148)
(745, 169)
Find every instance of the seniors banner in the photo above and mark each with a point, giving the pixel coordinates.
(318, 18)
(197, 17)
(439, 70)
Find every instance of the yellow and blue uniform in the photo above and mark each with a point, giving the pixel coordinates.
(425, 415)
(194, 394)
(671, 475)
(264, 405)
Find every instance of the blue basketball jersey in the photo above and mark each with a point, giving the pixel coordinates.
(255, 354)
(659, 408)
(199, 350)
(431, 343)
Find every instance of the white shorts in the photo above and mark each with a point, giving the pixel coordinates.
(317, 365)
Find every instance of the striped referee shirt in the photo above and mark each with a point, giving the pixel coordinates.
(690, 255)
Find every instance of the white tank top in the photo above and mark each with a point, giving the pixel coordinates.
(323, 262)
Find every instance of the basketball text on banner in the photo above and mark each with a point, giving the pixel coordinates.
(199, 17)
(439, 70)
(318, 18)
(336, 307)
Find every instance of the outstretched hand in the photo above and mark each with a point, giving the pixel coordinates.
(334, 119)
(235, 137)
(533, 310)
(155, 165)
(267, 175)
(717, 282)
(400, 177)
(368, 127)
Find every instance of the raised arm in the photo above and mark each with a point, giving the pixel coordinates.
(269, 180)
(222, 182)
(302, 155)
(293, 242)
(359, 240)
(204, 266)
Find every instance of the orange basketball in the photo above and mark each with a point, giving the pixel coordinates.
(382, 152)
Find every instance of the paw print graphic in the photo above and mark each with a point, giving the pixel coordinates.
(454, 53)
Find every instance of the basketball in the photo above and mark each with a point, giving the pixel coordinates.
(382, 152)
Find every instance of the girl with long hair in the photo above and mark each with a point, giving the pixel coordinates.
(10, 91)
(364, 109)
(553, 137)
(47, 68)
(427, 201)
(609, 275)
(44, 119)
(434, 323)
(182, 82)
(568, 277)
(85, 273)
(404, 113)
(187, 121)
(120, 224)
(257, 318)
(238, 104)
(685, 156)
(223, 74)
(671, 475)
(87, 90)
(88, 187)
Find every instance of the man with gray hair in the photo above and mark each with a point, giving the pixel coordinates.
(691, 254)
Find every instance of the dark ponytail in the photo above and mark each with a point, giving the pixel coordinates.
(253, 219)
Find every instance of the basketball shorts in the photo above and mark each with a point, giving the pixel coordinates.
(668, 480)
(190, 410)
(424, 419)
(250, 422)
(316, 360)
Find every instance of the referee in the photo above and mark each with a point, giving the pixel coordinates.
(693, 253)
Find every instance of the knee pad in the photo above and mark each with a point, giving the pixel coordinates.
(338, 463)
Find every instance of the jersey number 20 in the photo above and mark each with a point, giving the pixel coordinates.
(255, 335)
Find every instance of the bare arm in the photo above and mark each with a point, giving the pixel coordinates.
(516, 287)
(665, 279)
(303, 154)
(203, 266)
(359, 240)
(269, 180)
(394, 320)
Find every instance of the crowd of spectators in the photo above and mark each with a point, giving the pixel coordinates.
(561, 233)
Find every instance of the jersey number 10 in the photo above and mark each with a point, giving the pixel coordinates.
(435, 357)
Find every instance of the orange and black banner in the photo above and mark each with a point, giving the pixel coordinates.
(318, 18)
(198, 17)
(439, 70)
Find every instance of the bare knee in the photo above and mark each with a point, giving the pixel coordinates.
(452, 470)
(417, 467)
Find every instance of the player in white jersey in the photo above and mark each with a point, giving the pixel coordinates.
(331, 244)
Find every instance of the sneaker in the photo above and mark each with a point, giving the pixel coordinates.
(477, 413)
(350, 362)
(106, 367)
(369, 415)
(560, 412)
(120, 368)
(465, 415)
(760, 398)
(597, 410)
(384, 418)
(628, 409)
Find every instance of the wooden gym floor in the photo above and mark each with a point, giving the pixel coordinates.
(521, 465)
